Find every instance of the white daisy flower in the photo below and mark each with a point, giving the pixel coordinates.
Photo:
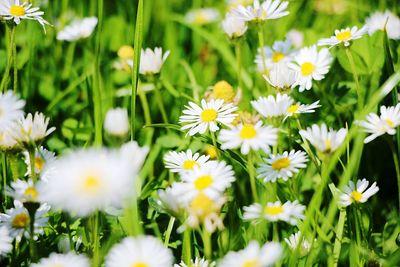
(281, 77)
(116, 122)
(270, 107)
(269, 9)
(202, 16)
(279, 53)
(376, 125)
(6, 241)
(380, 21)
(282, 166)
(43, 157)
(31, 129)
(94, 179)
(253, 255)
(197, 262)
(311, 64)
(343, 36)
(324, 140)
(249, 137)
(208, 116)
(14, 10)
(289, 212)
(151, 61)
(234, 26)
(170, 201)
(17, 220)
(299, 108)
(141, 251)
(23, 191)
(78, 29)
(296, 38)
(183, 161)
(11, 109)
(357, 193)
(8, 142)
(212, 178)
(293, 242)
(65, 260)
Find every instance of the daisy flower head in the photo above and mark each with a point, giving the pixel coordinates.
(212, 178)
(234, 26)
(78, 29)
(32, 129)
(116, 122)
(357, 193)
(324, 140)
(281, 77)
(151, 61)
(8, 142)
(282, 166)
(293, 241)
(384, 21)
(6, 241)
(202, 16)
(311, 64)
(343, 36)
(289, 212)
(376, 125)
(141, 251)
(183, 161)
(169, 200)
(299, 108)
(43, 157)
(249, 137)
(197, 262)
(223, 90)
(260, 12)
(279, 53)
(65, 260)
(23, 191)
(253, 255)
(198, 119)
(14, 10)
(272, 107)
(11, 109)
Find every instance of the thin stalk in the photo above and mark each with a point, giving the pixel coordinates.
(339, 236)
(187, 246)
(32, 242)
(32, 163)
(6, 76)
(261, 44)
(14, 60)
(275, 232)
(13, 163)
(4, 176)
(96, 240)
(238, 53)
(396, 164)
(214, 141)
(147, 116)
(160, 101)
(207, 244)
(250, 169)
(355, 76)
(169, 230)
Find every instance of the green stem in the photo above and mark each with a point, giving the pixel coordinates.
(32, 163)
(160, 102)
(214, 141)
(187, 246)
(4, 176)
(261, 44)
(169, 230)
(355, 76)
(339, 236)
(207, 244)
(14, 55)
(6, 76)
(13, 163)
(147, 117)
(275, 232)
(250, 169)
(238, 53)
(396, 164)
(96, 240)
(32, 242)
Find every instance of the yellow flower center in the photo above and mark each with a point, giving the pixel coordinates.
(273, 210)
(203, 182)
(248, 131)
(189, 164)
(211, 152)
(356, 196)
(31, 193)
(223, 90)
(202, 205)
(280, 163)
(307, 68)
(140, 264)
(343, 36)
(251, 263)
(39, 163)
(328, 145)
(264, 14)
(17, 11)
(208, 115)
(20, 221)
(277, 56)
(200, 18)
(293, 108)
(390, 123)
(91, 183)
(126, 52)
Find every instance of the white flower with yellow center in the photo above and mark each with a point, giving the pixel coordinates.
(141, 251)
(212, 178)
(43, 157)
(234, 26)
(116, 122)
(281, 77)
(249, 137)
(376, 125)
(299, 108)
(311, 64)
(282, 166)
(197, 262)
(202, 16)
(23, 191)
(31, 129)
(357, 193)
(279, 53)
(289, 212)
(293, 242)
(253, 255)
(269, 9)
(63, 260)
(380, 21)
(88, 180)
(151, 61)
(6, 241)
(78, 29)
(343, 36)
(14, 10)
(198, 119)
(324, 140)
(11, 109)
(183, 161)
(272, 107)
